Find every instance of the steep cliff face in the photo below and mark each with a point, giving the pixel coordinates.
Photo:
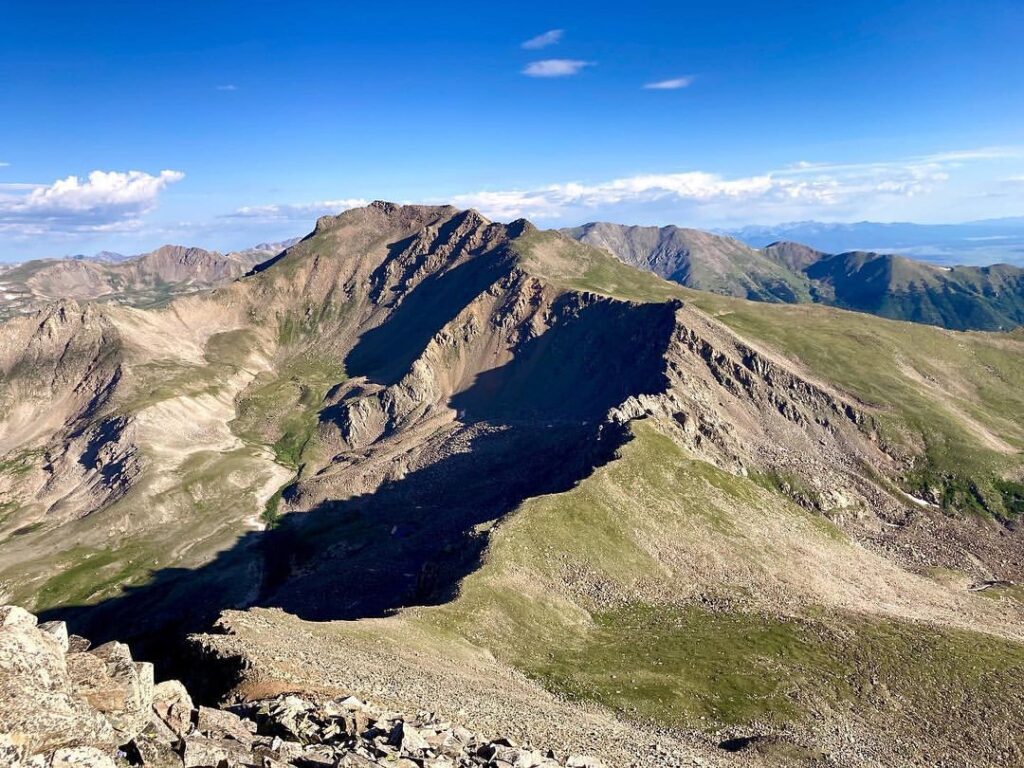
(383, 351)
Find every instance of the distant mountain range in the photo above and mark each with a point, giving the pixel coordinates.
(698, 259)
(145, 280)
(792, 270)
(113, 257)
(975, 242)
(893, 286)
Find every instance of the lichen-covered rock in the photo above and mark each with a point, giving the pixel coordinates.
(62, 707)
(129, 693)
(173, 706)
(113, 684)
(219, 724)
(80, 757)
(203, 752)
(39, 709)
(58, 630)
(156, 747)
(15, 616)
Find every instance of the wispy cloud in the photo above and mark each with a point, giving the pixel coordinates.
(671, 85)
(295, 211)
(556, 67)
(3, 164)
(227, 87)
(982, 153)
(550, 37)
(103, 201)
(800, 190)
(946, 160)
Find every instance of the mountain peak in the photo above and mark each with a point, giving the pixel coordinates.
(791, 254)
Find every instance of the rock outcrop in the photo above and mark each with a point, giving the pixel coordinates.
(63, 705)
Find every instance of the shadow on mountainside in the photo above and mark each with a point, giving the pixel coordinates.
(385, 353)
(533, 426)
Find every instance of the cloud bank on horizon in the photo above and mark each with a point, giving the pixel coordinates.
(295, 211)
(104, 201)
(800, 191)
(112, 202)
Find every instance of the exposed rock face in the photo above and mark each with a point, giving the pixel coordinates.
(343, 432)
(42, 705)
(60, 370)
(112, 683)
(99, 709)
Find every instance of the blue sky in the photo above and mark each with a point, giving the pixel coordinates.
(126, 125)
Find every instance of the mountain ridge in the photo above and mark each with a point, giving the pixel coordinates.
(466, 457)
(978, 242)
(147, 279)
(889, 285)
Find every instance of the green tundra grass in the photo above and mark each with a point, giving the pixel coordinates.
(953, 400)
(573, 593)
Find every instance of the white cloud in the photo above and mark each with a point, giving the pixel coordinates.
(556, 67)
(295, 211)
(550, 37)
(951, 159)
(804, 189)
(102, 202)
(982, 153)
(671, 85)
(558, 199)
(227, 87)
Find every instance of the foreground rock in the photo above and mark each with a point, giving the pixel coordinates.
(65, 707)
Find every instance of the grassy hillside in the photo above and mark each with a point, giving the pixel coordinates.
(961, 298)
(952, 401)
(990, 298)
(673, 592)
